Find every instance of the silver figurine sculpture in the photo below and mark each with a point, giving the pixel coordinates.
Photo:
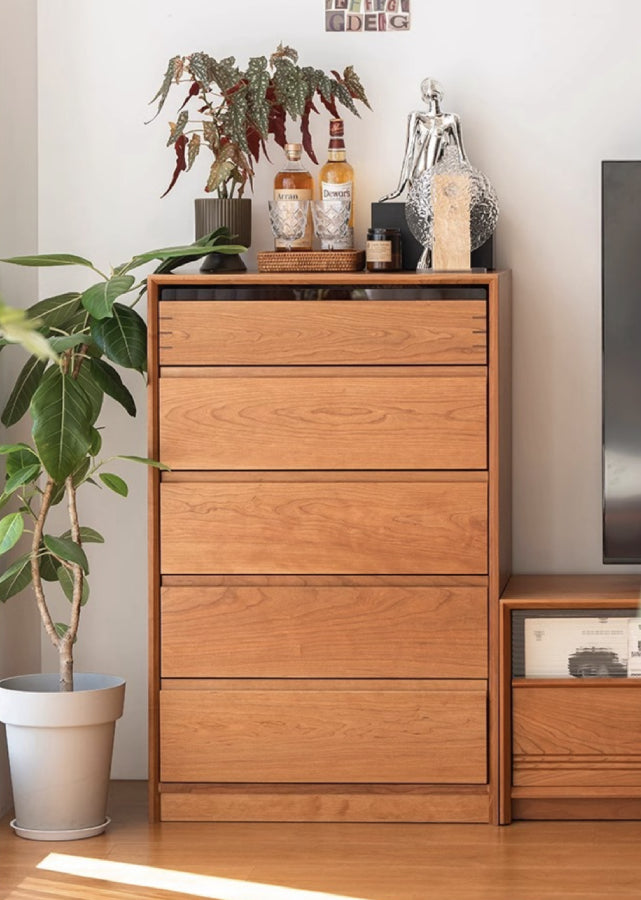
(429, 132)
(433, 145)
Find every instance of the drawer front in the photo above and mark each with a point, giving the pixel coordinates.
(339, 734)
(324, 421)
(324, 632)
(582, 734)
(325, 527)
(252, 333)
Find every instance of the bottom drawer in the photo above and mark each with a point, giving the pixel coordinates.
(328, 731)
(581, 734)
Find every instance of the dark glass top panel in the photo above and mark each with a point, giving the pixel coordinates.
(321, 292)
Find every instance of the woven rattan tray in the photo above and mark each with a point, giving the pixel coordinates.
(311, 261)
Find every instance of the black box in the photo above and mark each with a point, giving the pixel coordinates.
(392, 215)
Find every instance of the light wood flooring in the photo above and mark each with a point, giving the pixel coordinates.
(524, 861)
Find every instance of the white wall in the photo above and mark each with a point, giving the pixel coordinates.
(545, 92)
(19, 643)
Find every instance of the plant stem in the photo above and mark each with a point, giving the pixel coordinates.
(43, 609)
(66, 645)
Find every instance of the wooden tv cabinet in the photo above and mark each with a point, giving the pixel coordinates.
(328, 549)
(572, 745)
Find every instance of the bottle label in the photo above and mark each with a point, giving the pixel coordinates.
(344, 191)
(378, 251)
(305, 242)
(331, 191)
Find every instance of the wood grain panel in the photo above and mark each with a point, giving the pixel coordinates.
(403, 527)
(379, 735)
(324, 632)
(598, 809)
(328, 333)
(324, 422)
(324, 803)
(574, 730)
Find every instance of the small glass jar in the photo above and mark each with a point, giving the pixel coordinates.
(383, 250)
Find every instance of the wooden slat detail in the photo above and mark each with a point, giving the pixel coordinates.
(322, 477)
(562, 809)
(324, 803)
(369, 685)
(588, 775)
(329, 333)
(438, 581)
(562, 726)
(339, 735)
(577, 790)
(325, 422)
(410, 528)
(324, 632)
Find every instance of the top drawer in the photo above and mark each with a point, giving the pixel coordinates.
(329, 332)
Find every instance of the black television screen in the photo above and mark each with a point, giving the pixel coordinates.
(621, 368)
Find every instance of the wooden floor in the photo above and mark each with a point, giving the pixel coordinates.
(525, 861)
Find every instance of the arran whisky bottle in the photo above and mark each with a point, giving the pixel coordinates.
(294, 182)
(337, 178)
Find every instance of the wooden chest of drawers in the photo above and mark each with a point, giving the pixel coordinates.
(327, 551)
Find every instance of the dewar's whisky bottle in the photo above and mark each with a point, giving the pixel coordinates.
(337, 179)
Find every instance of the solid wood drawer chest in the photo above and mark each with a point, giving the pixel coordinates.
(329, 545)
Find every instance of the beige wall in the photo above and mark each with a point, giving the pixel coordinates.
(545, 92)
(19, 630)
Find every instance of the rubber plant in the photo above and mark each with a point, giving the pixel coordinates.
(80, 341)
(232, 112)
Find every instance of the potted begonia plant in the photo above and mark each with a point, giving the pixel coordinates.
(230, 113)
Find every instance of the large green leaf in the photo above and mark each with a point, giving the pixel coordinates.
(96, 442)
(123, 338)
(67, 341)
(189, 252)
(91, 388)
(11, 528)
(99, 298)
(54, 312)
(17, 328)
(49, 259)
(23, 390)
(19, 458)
(114, 483)
(15, 578)
(111, 383)
(22, 476)
(62, 420)
(66, 583)
(146, 462)
(87, 535)
(67, 549)
(13, 448)
(48, 565)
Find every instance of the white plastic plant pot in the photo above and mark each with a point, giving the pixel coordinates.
(60, 747)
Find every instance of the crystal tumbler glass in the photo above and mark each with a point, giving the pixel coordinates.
(288, 219)
(331, 219)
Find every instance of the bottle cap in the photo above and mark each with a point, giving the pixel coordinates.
(293, 151)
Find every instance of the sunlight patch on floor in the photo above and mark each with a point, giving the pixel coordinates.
(185, 883)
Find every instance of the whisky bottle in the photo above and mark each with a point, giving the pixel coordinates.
(337, 178)
(294, 182)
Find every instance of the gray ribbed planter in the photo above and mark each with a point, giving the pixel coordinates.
(236, 215)
(60, 746)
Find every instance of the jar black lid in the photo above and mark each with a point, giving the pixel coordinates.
(384, 231)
